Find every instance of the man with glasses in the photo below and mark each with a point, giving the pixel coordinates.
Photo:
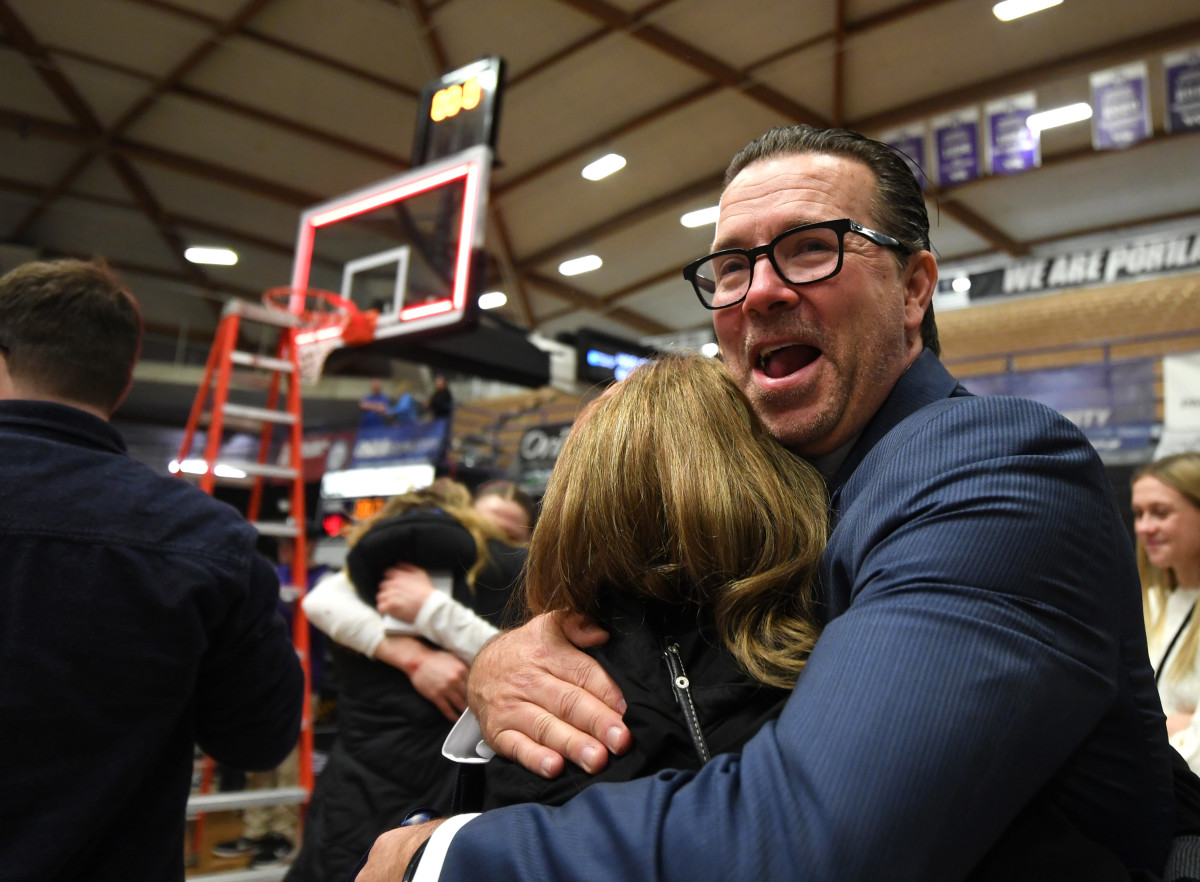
(979, 704)
(136, 618)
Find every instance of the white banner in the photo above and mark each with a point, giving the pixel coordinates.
(1181, 392)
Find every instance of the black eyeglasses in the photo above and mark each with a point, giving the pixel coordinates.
(801, 256)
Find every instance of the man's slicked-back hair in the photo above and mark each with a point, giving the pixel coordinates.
(898, 204)
(70, 329)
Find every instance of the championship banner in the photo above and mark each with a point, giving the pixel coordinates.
(1120, 106)
(909, 142)
(1182, 73)
(1012, 146)
(956, 147)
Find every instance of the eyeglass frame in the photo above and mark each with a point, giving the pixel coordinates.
(841, 226)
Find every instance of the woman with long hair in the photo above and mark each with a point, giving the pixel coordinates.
(387, 758)
(1166, 514)
(677, 522)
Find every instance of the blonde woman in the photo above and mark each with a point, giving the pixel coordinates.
(676, 521)
(1166, 512)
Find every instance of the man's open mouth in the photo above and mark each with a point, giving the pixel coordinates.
(783, 360)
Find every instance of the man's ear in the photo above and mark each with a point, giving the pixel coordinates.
(920, 281)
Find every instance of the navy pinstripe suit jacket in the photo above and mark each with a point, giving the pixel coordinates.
(984, 653)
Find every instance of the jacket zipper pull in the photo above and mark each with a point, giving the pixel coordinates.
(681, 686)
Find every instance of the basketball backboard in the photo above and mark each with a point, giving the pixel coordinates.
(406, 246)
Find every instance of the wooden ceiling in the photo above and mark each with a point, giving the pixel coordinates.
(133, 128)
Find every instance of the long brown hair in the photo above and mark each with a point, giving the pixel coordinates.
(450, 497)
(1180, 472)
(669, 487)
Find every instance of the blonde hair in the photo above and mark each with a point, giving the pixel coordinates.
(447, 496)
(1181, 473)
(669, 487)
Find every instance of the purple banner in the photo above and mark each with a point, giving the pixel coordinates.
(956, 147)
(1012, 146)
(1120, 106)
(909, 142)
(1182, 71)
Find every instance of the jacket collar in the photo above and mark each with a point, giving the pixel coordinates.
(60, 422)
(925, 382)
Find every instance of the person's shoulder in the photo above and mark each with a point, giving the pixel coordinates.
(976, 426)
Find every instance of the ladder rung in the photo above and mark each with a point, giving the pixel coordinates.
(233, 424)
(265, 414)
(266, 362)
(199, 803)
(254, 469)
(276, 528)
(265, 874)
(256, 313)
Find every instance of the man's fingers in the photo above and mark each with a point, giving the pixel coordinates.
(529, 754)
(582, 630)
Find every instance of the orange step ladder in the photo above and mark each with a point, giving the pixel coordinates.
(213, 408)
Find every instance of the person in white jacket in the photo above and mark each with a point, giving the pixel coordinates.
(1166, 512)
(408, 594)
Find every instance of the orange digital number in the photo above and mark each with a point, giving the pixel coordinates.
(451, 100)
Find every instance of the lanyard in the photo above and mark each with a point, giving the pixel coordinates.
(1166, 655)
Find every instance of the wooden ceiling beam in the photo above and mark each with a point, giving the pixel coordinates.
(1031, 77)
(626, 218)
(696, 58)
(257, 36)
(580, 300)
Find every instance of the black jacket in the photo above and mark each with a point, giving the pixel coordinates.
(387, 758)
(730, 707)
(136, 621)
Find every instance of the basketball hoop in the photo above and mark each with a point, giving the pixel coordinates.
(328, 321)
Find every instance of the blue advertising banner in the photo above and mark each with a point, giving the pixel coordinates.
(956, 147)
(390, 445)
(1012, 146)
(1113, 404)
(1182, 72)
(909, 142)
(1120, 106)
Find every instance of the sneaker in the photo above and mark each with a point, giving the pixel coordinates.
(273, 851)
(236, 847)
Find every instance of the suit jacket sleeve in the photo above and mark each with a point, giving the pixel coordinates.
(982, 580)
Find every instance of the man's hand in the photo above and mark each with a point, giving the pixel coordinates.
(403, 592)
(392, 851)
(539, 699)
(438, 676)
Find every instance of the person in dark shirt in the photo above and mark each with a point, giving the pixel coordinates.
(137, 619)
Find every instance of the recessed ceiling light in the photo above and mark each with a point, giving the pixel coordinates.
(604, 166)
(579, 265)
(1010, 9)
(701, 216)
(492, 300)
(212, 256)
(1059, 116)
